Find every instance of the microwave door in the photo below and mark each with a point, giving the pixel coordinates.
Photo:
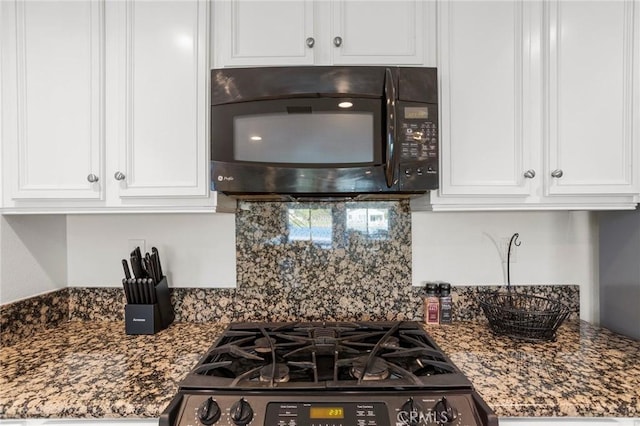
(390, 135)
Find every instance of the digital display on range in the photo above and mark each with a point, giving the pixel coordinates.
(326, 413)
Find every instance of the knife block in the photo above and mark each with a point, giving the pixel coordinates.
(150, 318)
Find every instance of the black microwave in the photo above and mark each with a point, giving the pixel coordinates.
(324, 131)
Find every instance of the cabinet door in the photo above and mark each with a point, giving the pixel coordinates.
(52, 99)
(488, 97)
(272, 32)
(161, 94)
(593, 90)
(383, 32)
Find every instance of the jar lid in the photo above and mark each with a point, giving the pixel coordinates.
(432, 289)
(445, 289)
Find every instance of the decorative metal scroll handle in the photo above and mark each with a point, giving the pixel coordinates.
(512, 241)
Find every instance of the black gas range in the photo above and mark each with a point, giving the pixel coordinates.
(326, 374)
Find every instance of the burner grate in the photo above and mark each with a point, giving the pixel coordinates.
(326, 354)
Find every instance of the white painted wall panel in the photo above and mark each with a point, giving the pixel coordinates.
(33, 251)
(196, 250)
(463, 249)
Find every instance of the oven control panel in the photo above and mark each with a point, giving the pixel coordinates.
(197, 408)
(338, 413)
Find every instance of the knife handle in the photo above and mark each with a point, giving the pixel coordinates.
(158, 265)
(127, 290)
(152, 289)
(137, 298)
(148, 265)
(141, 289)
(145, 295)
(136, 265)
(125, 265)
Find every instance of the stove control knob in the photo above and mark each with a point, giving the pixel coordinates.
(409, 413)
(209, 412)
(241, 412)
(445, 412)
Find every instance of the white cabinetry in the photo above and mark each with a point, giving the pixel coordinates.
(246, 33)
(591, 96)
(52, 99)
(307, 32)
(159, 120)
(488, 85)
(105, 106)
(539, 105)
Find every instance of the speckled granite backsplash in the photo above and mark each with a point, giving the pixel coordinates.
(226, 305)
(313, 261)
(22, 318)
(321, 261)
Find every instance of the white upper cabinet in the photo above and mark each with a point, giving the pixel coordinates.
(591, 97)
(53, 99)
(487, 87)
(539, 105)
(247, 33)
(105, 106)
(159, 120)
(381, 32)
(321, 32)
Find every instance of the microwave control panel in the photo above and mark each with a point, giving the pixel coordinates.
(417, 135)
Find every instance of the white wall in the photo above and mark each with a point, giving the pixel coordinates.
(43, 253)
(196, 250)
(463, 248)
(33, 252)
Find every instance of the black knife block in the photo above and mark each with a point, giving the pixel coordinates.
(150, 318)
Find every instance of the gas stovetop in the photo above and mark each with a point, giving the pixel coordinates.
(326, 373)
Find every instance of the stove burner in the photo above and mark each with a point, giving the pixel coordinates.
(377, 370)
(264, 344)
(278, 372)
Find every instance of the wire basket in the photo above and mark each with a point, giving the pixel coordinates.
(523, 316)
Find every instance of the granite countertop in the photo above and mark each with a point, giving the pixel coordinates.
(93, 369)
(587, 371)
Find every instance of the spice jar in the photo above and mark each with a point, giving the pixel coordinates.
(432, 304)
(446, 303)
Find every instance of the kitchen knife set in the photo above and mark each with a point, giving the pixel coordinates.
(147, 273)
(148, 309)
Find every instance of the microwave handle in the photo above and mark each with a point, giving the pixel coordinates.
(390, 94)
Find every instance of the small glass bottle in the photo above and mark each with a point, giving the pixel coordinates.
(432, 304)
(446, 303)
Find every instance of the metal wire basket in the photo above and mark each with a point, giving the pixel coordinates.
(523, 316)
